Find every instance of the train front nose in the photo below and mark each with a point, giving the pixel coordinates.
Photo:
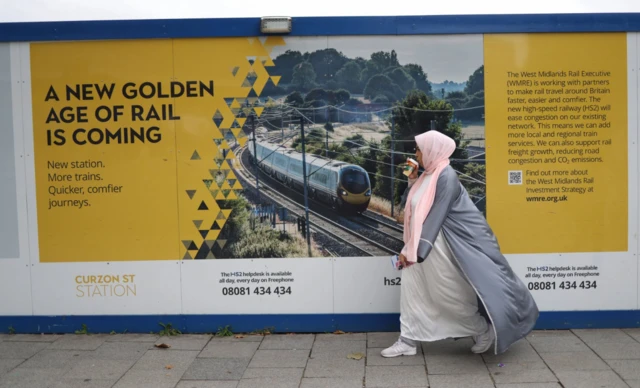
(355, 187)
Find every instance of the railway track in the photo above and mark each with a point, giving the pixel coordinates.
(362, 243)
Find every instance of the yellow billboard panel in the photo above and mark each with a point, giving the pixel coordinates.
(556, 138)
(104, 137)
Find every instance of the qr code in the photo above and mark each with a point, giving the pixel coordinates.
(515, 177)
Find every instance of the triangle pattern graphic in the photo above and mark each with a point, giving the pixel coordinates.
(234, 71)
(229, 101)
(193, 246)
(203, 206)
(232, 195)
(197, 223)
(195, 155)
(226, 212)
(222, 243)
(187, 256)
(203, 233)
(275, 79)
(191, 193)
(258, 110)
(210, 243)
(186, 243)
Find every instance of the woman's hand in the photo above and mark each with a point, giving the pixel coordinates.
(403, 260)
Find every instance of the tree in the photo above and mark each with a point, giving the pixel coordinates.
(284, 65)
(328, 126)
(294, 99)
(385, 59)
(413, 117)
(418, 74)
(381, 85)
(402, 78)
(349, 77)
(476, 82)
(326, 63)
(316, 95)
(304, 76)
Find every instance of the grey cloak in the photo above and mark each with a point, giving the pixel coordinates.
(503, 297)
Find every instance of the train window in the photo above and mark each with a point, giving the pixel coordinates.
(355, 181)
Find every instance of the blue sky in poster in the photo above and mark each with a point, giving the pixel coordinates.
(450, 57)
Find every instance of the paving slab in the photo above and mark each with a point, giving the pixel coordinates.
(79, 342)
(557, 343)
(591, 379)
(341, 337)
(240, 338)
(461, 380)
(207, 384)
(332, 382)
(229, 350)
(523, 372)
(381, 340)
(256, 373)
(550, 333)
(216, 369)
(22, 350)
(30, 377)
(633, 383)
(529, 385)
(617, 351)
(335, 367)
(455, 364)
(99, 369)
(51, 358)
(271, 382)
(133, 337)
(396, 376)
(633, 332)
(7, 364)
(121, 350)
(591, 336)
(137, 378)
(338, 349)
(185, 342)
(627, 369)
(280, 359)
(574, 361)
(521, 351)
(83, 383)
(375, 359)
(32, 337)
(159, 360)
(287, 342)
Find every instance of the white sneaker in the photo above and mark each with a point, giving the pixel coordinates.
(484, 340)
(400, 348)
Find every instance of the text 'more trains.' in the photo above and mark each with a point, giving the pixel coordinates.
(339, 184)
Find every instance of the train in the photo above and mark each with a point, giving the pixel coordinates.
(341, 185)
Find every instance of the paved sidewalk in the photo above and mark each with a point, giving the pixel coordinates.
(549, 359)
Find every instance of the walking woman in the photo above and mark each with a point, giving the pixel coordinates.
(455, 281)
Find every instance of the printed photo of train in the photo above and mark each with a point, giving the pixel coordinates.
(343, 186)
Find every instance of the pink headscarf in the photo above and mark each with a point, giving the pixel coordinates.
(436, 149)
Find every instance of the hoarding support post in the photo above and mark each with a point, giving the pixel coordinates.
(393, 172)
(304, 182)
(255, 155)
